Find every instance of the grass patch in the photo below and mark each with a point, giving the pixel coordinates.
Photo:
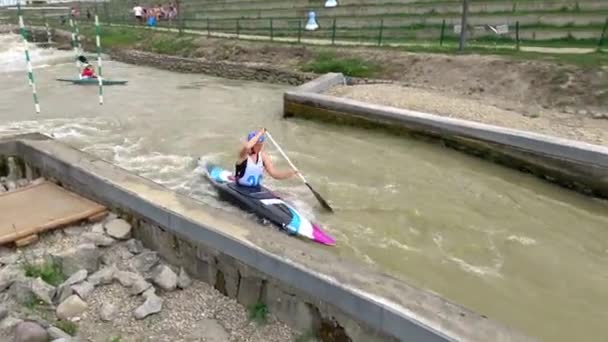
(50, 271)
(115, 339)
(587, 60)
(69, 327)
(325, 62)
(171, 45)
(258, 312)
(33, 304)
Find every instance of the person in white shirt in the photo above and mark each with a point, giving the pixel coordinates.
(138, 11)
(252, 162)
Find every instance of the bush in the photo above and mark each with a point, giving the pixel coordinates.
(258, 312)
(50, 271)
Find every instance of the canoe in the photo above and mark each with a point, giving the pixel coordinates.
(266, 205)
(92, 81)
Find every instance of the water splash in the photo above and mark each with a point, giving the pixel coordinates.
(12, 55)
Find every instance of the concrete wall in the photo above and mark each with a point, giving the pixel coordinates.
(304, 285)
(576, 165)
(243, 71)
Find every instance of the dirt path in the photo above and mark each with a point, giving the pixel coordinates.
(571, 126)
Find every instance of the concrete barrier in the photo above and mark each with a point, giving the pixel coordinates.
(304, 285)
(576, 165)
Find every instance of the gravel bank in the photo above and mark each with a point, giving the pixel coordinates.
(195, 313)
(577, 126)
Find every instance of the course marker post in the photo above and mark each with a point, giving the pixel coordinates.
(75, 47)
(30, 71)
(99, 73)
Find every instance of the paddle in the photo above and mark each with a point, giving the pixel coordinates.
(319, 198)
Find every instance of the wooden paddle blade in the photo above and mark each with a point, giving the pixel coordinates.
(321, 200)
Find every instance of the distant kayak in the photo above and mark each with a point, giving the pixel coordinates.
(92, 81)
(265, 204)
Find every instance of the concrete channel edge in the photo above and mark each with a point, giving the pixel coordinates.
(577, 165)
(207, 250)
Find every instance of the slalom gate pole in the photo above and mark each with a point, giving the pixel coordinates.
(30, 71)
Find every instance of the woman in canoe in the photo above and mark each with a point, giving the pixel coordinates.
(253, 161)
(88, 72)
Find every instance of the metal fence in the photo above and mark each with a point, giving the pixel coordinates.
(347, 31)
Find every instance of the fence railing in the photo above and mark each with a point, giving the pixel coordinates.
(333, 31)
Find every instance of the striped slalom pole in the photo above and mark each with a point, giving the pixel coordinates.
(48, 31)
(75, 46)
(78, 36)
(30, 72)
(98, 42)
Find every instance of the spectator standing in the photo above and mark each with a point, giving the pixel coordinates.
(139, 12)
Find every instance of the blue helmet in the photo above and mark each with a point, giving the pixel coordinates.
(252, 134)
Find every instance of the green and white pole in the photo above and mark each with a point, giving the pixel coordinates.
(98, 41)
(78, 36)
(75, 46)
(48, 31)
(30, 72)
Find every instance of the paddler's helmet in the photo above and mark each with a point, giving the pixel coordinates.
(252, 134)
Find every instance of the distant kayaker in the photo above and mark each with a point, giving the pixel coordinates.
(88, 72)
(253, 161)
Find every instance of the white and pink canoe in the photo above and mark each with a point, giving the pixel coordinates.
(265, 204)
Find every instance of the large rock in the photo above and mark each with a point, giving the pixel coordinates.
(8, 258)
(8, 325)
(74, 230)
(104, 276)
(56, 333)
(84, 289)
(118, 229)
(97, 228)
(62, 293)
(117, 255)
(140, 285)
(144, 262)
(183, 280)
(165, 278)
(99, 240)
(3, 312)
(152, 305)
(9, 274)
(126, 278)
(85, 256)
(149, 292)
(21, 292)
(42, 290)
(30, 332)
(71, 307)
(135, 246)
(208, 330)
(107, 312)
(76, 278)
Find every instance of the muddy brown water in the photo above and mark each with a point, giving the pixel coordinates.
(502, 243)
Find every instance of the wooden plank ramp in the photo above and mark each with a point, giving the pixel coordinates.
(37, 208)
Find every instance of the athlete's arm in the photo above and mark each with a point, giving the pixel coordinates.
(276, 174)
(249, 145)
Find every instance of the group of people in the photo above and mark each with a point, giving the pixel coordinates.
(158, 12)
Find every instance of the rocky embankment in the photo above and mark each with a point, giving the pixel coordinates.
(95, 283)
